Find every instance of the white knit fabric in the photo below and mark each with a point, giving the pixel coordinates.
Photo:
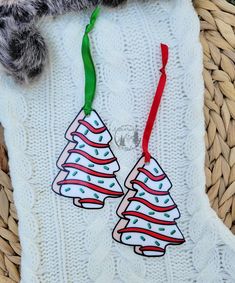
(65, 244)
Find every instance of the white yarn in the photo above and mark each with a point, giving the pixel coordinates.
(65, 244)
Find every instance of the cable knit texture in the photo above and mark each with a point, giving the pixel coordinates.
(62, 243)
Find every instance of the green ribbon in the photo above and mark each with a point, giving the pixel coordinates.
(90, 73)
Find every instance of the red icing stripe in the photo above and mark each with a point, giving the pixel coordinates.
(151, 249)
(91, 128)
(91, 200)
(91, 158)
(90, 186)
(152, 234)
(87, 170)
(91, 143)
(147, 189)
(147, 218)
(151, 176)
(152, 206)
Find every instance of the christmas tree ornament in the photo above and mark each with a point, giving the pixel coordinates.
(87, 164)
(147, 211)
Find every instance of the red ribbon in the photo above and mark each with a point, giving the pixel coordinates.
(155, 104)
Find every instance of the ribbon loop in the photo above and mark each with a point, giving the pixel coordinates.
(155, 105)
(90, 73)
(165, 55)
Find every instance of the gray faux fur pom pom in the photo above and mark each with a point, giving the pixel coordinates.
(23, 51)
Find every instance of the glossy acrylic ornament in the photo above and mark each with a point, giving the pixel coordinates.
(87, 164)
(147, 212)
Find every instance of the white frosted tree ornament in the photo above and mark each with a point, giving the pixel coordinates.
(148, 212)
(87, 164)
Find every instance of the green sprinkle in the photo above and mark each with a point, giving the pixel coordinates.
(78, 159)
(155, 169)
(151, 212)
(111, 185)
(88, 178)
(96, 122)
(75, 173)
(96, 152)
(106, 153)
(100, 181)
(161, 229)
(141, 194)
(167, 215)
(146, 179)
(149, 226)
(67, 189)
(128, 237)
(160, 186)
(96, 196)
(157, 243)
(91, 165)
(106, 167)
(86, 132)
(167, 200)
(100, 138)
(135, 221)
(82, 145)
(173, 232)
(81, 190)
(137, 207)
(142, 238)
(156, 198)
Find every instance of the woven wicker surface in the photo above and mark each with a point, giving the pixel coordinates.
(218, 40)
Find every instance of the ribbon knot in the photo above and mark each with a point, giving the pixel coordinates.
(163, 70)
